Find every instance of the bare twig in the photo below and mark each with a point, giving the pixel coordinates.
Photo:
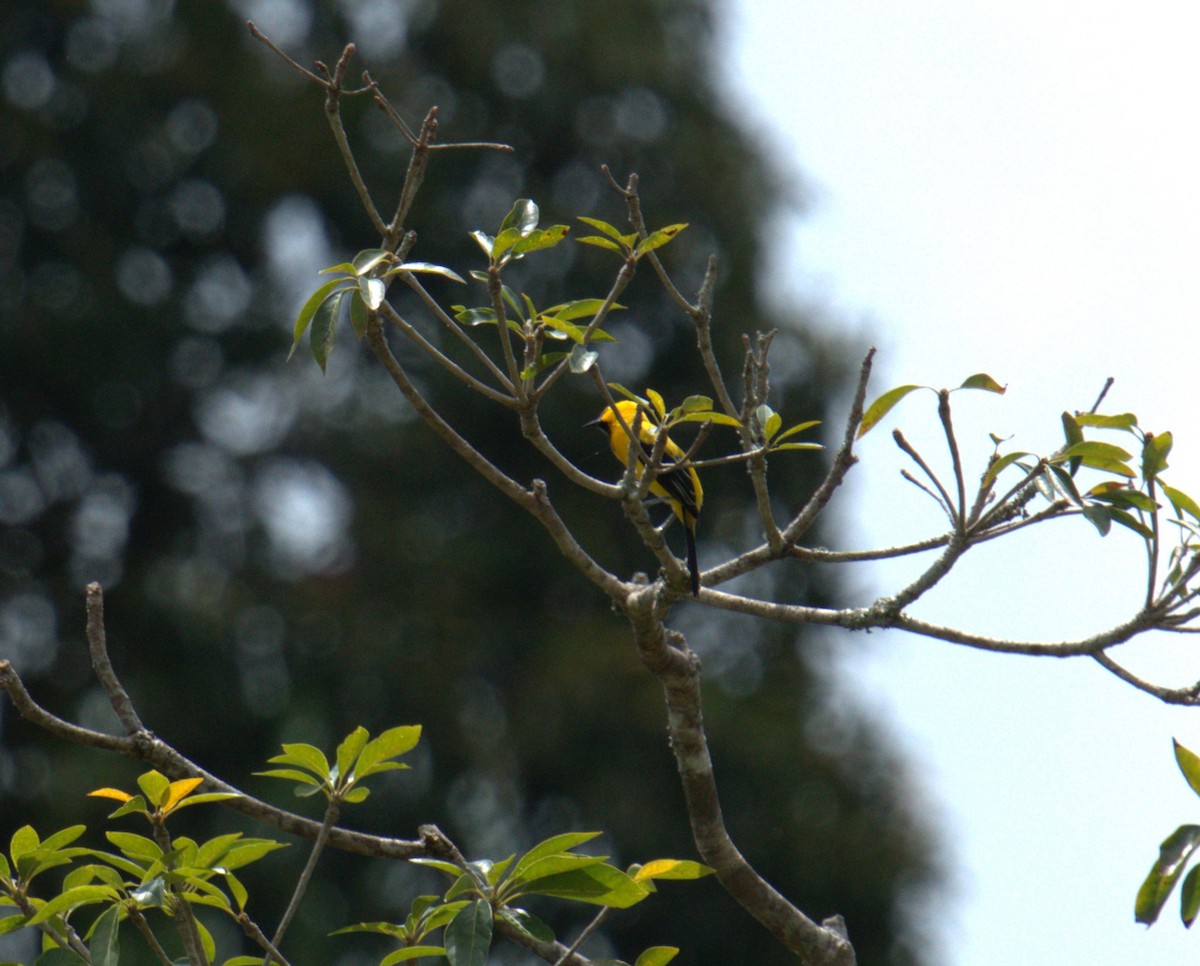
(1186, 696)
(842, 460)
(959, 518)
(330, 820)
(102, 666)
(666, 654)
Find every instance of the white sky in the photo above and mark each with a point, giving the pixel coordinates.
(1008, 187)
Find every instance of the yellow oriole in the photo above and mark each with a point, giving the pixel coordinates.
(678, 485)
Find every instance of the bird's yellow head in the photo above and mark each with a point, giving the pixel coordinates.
(628, 410)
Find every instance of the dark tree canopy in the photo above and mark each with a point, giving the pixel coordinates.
(288, 555)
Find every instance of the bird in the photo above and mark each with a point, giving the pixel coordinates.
(676, 483)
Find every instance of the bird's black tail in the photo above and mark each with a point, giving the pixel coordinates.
(692, 560)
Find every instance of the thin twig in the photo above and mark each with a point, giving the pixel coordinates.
(843, 459)
(1186, 696)
(118, 697)
(590, 928)
(959, 519)
(318, 846)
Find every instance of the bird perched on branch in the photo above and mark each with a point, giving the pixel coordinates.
(676, 482)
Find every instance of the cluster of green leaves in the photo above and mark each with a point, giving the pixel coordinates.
(145, 874)
(174, 875)
(1129, 501)
(1176, 851)
(362, 285)
(484, 892)
(357, 758)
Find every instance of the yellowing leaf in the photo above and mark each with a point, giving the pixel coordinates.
(179, 790)
(114, 793)
(881, 406)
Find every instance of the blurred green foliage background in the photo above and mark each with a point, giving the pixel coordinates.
(287, 555)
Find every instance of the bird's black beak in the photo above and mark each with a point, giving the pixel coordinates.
(596, 422)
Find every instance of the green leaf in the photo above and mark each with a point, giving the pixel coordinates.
(215, 848)
(469, 936)
(556, 843)
(348, 751)
(24, 840)
(657, 239)
(380, 928)
(135, 806)
(135, 846)
(1126, 496)
(309, 309)
(601, 243)
(372, 291)
(1074, 435)
(485, 241)
(1181, 502)
(1099, 517)
(240, 895)
(369, 259)
(981, 380)
(540, 239)
(63, 837)
(881, 406)
(1121, 421)
(999, 465)
(1154, 454)
(291, 774)
(103, 945)
(657, 956)
(1174, 854)
(72, 899)
(1067, 483)
(247, 851)
(1189, 764)
(1091, 449)
(579, 309)
(503, 243)
(428, 268)
(798, 428)
(439, 916)
(306, 756)
(409, 952)
(11, 924)
(1131, 522)
(480, 316)
(390, 744)
(356, 795)
(608, 229)
(711, 416)
(599, 884)
(324, 327)
(551, 865)
(1189, 897)
(205, 798)
(522, 217)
